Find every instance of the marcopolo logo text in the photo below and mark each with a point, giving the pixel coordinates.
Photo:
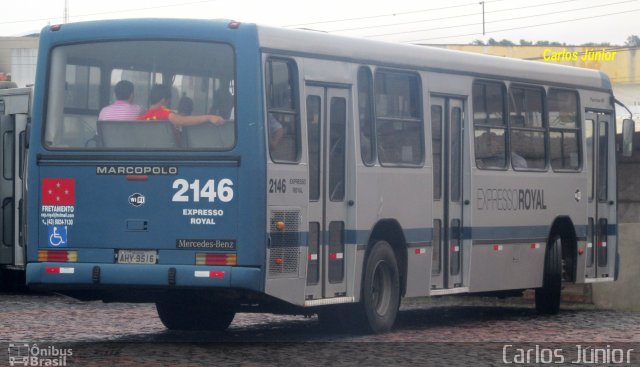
(137, 170)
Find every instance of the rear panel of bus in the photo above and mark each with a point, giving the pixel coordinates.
(141, 203)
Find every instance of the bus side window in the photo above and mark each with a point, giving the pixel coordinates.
(399, 123)
(74, 124)
(365, 113)
(490, 126)
(564, 130)
(528, 128)
(282, 120)
(436, 147)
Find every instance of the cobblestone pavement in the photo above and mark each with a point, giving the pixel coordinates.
(450, 331)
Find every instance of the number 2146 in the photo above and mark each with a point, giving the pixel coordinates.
(209, 191)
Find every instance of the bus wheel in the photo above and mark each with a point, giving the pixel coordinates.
(548, 296)
(198, 315)
(381, 288)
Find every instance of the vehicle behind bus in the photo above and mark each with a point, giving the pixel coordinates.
(15, 106)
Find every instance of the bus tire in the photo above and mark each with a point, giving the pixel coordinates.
(381, 288)
(548, 296)
(197, 315)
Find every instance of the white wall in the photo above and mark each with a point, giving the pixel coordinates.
(23, 66)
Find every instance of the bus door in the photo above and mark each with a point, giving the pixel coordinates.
(327, 119)
(601, 194)
(447, 116)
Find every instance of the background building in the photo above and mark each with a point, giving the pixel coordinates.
(18, 57)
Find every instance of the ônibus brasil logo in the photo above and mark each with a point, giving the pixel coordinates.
(25, 354)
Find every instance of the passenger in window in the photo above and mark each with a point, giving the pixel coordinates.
(490, 151)
(276, 131)
(123, 108)
(388, 145)
(185, 105)
(518, 161)
(159, 98)
(185, 108)
(222, 104)
(365, 144)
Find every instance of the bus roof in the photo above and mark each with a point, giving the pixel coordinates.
(361, 50)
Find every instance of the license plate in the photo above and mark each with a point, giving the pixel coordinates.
(137, 257)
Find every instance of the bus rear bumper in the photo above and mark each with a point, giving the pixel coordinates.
(51, 275)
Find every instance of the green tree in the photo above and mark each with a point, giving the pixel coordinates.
(596, 44)
(633, 41)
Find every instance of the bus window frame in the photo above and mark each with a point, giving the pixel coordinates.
(106, 70)
(545, 125)
(603, 165)
(590, 165)
(75, 61)
(437, 178)
(578, 130)
(421, 118)
(505, 119)
(296, 100)
(366, 70)
(315, 173)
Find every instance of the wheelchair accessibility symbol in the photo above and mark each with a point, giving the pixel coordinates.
(57, 236)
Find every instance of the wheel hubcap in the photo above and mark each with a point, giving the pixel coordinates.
(380, 288)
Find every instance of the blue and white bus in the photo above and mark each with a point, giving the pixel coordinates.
(347, 174)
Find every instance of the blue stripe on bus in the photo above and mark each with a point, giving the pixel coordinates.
(489, 233)
(410, 235)
(515, 233)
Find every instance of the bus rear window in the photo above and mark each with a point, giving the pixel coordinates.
(100, 94)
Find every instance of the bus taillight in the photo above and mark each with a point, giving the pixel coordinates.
(59, 270)
(216, 259)
(60, 256)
